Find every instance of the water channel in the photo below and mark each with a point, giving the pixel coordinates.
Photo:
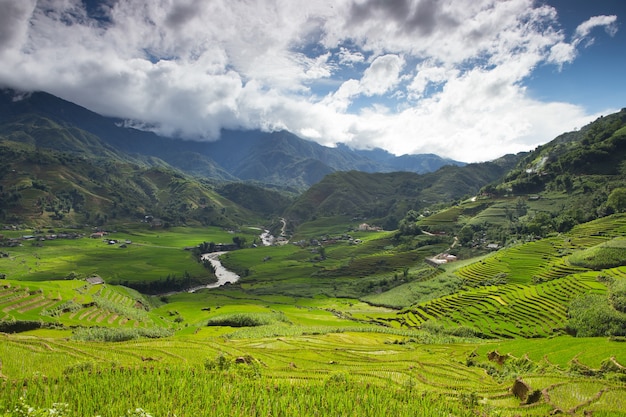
(224, 276)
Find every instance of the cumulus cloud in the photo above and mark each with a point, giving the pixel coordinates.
(382, 75)
(407, 75)
(14, 22)
(608, 22)
(564, 52)
(348, 57)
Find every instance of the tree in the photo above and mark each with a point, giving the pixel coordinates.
(239, 241)
(591, 315)
(617, 200)
(408, 225)
(466, 234)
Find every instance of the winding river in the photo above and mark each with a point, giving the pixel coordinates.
(223, 275)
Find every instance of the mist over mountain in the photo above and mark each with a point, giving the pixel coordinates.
(273, 158)
(58, 148)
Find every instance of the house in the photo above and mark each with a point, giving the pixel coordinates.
(440, 259)
(435, 262)
(364, 227)
(220, 247)
(95, 280)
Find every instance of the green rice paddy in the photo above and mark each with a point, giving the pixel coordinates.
(303, 335)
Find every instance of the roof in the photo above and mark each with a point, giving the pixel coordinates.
(95, 280)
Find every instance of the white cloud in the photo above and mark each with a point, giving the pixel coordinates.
(348, 57)
(14, 22)
(475, 118)
(429, 76)
(382, 75)
(608, 22)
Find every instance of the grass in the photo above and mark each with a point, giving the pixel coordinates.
(189, 392)
(311, 331)
(603, 256)
(151, 256)
(312, 373)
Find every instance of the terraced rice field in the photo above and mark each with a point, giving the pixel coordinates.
(357, 364)
(505, 311)
(521, 291)
(85, 305)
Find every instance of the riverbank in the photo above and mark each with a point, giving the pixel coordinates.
(224, 276)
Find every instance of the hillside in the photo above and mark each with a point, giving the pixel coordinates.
(45, 187)
(272, 158)
(524, 330)
(495, 289)
(598, 149)
(387, 197)
(576, 178)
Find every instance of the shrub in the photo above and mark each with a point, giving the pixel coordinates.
(105, 334)
(18, 326)
(247, 319)
(66, 307)
(617, 295)
(592, 315)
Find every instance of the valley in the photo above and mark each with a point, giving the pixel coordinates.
(107, 285)
(311, 330)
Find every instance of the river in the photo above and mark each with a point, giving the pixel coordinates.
(267, 238)
(223, 275)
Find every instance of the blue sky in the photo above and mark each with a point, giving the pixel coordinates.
(595, 80)
(470, 80)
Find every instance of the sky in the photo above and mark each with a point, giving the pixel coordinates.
(470, 80)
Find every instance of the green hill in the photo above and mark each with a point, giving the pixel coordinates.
(494, 291)
(387, 197)
(46, 187)
(575, 162)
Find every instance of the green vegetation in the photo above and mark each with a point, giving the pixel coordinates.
(603, 256)
(247, 319)
(103, 334)
(273, 334)
(232, 392)
(511, 302)
(592, 315)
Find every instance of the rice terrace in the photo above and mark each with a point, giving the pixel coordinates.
(495, 346)
(263, 274)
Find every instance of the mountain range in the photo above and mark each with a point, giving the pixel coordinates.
(271, 158)
(62, 162)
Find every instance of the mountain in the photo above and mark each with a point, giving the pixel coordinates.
(18, 112)
(45, 187)
(574, 178)
(386, 197)
(598, 148)
(419, 164)
(578, 177)
(586, 165)
(273, 158)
